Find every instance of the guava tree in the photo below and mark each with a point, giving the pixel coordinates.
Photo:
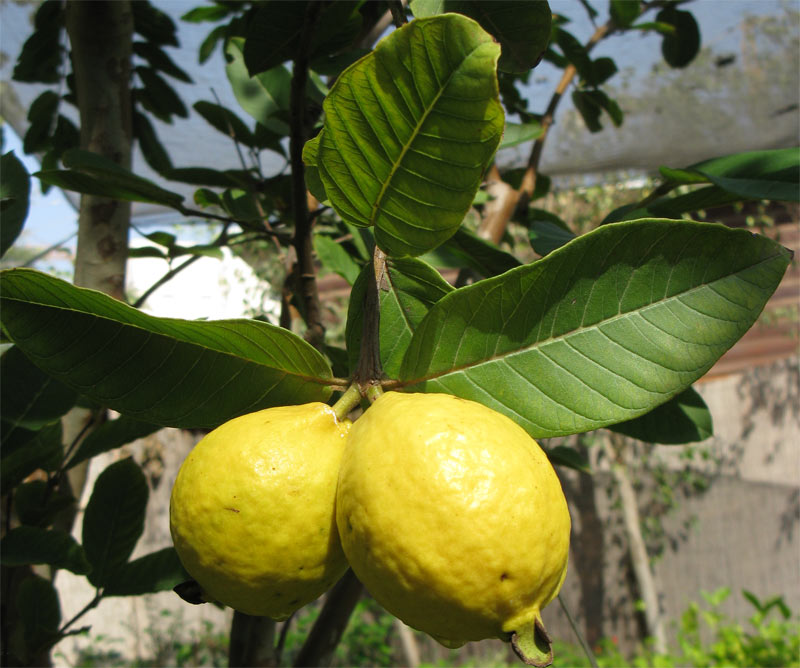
(386, 165)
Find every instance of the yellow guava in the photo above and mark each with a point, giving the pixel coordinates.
(252, 509)
(453, 517)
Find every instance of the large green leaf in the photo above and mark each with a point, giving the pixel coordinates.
(26, 451)
(522, 28)
(467, 249)
(114, 519)
(93, 174)
(38, 612)
(275, 28)
(683, 419)
(15, 188)
(603, 329)
(409, 289)
(29, 397)
(157, 571)
(756, 174)
(35, 545)
(264, 96)
(409, 130)
(194, 374)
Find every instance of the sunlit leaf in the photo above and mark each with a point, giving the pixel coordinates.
(166, 371)
(409, 130)
(600, 331)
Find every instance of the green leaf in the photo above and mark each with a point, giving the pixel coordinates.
(591, 103)
(153, 24)
(311, 172)
(110, 435)
(39, 60)
(41, 119)
(154, 572)
(26, 451)
(114, 519)
(210, 43)
(152, 149)
(683, 419)
(773, 175)
(264, 96)
(600, 331)
(467, 249)
(193, 374)
(206, 13)
(409, 289)
(409, 130)
(158, 96)
(274, 31)
(522, 28)
(159, 60)
(519, 133)
(225, 121)
(29, 397)
(201, 176)
(15, 185)
(39, 612)
(546, 236)
(34, 545)
(563, 455)
(625, 12)
(679, 48)
(36, 504)
(335, 258)
(95, 175)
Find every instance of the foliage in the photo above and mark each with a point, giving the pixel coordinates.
(708, 637)
(565, 331)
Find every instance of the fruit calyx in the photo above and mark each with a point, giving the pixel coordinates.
(532, 644)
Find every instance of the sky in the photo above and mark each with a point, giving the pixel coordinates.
(53, 219)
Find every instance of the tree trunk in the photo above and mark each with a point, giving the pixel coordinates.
(101, 35)
(101, 38)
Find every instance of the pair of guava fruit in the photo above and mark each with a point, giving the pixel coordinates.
(448, 512)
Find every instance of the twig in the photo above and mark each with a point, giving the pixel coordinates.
(49, 249)
(306, 275)
(397, 7)
(578, 634)
(369, 370)
(221, 240)
(331, 623)
(494, 225)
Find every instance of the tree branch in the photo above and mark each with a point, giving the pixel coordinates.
(370, 370)
(331, 623)
(494, 225)
(306, 274)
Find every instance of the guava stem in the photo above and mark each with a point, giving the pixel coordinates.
(373, 392)
(347, 402)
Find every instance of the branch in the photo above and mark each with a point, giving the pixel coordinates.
(369, 370)
(306, 275)
(494, 225)
(331, 623)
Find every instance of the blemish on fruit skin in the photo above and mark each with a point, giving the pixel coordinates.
(233, 510)
(503, 577)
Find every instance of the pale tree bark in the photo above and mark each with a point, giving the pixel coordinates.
(101, 36)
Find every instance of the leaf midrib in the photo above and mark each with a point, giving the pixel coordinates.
(396, 164)
(580, 329)
(246, 360)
